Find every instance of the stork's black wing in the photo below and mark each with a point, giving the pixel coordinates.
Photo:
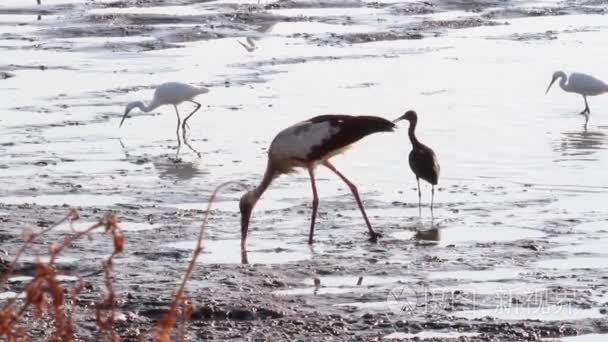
(346, 129)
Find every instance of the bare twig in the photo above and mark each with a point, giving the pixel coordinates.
(167, 322)
(45, 284)
(71, 217)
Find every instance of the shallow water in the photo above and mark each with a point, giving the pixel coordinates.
(585, 338)
(428, 334)
(549, 313)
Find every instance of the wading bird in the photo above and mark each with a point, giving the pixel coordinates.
(306, 145)
(423, 160)
(250, 46)
(583, 84)
(171, 93)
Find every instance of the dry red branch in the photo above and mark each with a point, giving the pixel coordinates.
(168, 321)
(46, 292)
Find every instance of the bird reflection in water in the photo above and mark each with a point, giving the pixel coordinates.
(580, 143)
(167, 168)
(428, 235)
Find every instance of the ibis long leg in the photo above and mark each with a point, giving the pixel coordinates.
(432, 200)
(419, 197)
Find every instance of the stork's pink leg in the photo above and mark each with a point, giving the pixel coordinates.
(315, 203)
(353, 189)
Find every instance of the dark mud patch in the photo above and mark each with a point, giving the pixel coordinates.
(523, 37)
(412, 9)
(426, 28)
(509, 13)
(355, 38)
(41, 67)
(315, 4)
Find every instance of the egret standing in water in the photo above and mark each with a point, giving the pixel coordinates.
(171, 93)
(308, 144)
(583, 84)
(423, 160)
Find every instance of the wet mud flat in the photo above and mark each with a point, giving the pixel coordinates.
(439, 281)
(516, 252)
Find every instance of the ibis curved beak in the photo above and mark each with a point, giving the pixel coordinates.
(398, 119)
(550, 84)
(124, 117)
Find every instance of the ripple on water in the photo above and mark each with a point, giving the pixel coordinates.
(493, 287)
(66, 260)
(587, 247)
(543, 313)
(313, 27)
(465, 235)
(258, 252)
(594, 226)
(232, 206)
(124, 226)
(152, 10)
(429, 334)
(10, 295)
(23, 279)
(574, 263)
(483, 275)
(72, 200)
(339, 284)
(586, 338)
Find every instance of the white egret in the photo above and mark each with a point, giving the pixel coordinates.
(250, 46)
(583, 84)
(171, 93)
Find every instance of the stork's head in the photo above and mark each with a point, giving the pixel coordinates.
(555, 77)
(410, 116)
(246, 205)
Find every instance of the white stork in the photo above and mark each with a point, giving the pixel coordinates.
(306, 145)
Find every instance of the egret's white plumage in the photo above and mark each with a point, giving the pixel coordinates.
(170, 93)
(582, 84)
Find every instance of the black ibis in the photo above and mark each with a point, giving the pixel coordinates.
(423, 160)
(308, 144)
